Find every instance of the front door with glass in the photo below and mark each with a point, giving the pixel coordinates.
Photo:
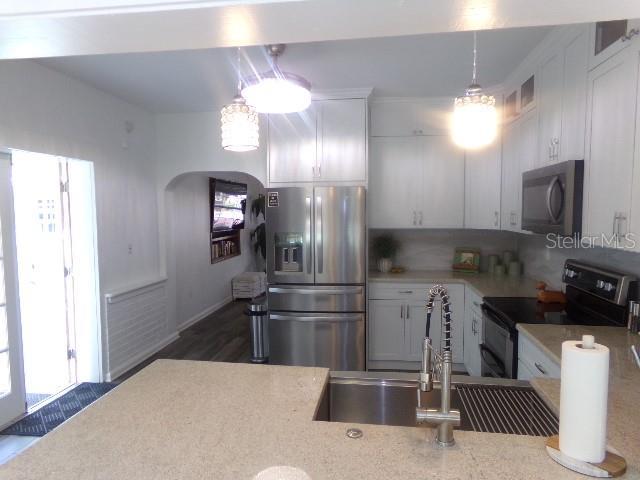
(12, 391)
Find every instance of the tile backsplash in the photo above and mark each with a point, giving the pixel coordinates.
(434, 249)
(546, 264)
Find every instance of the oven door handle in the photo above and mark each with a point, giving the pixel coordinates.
(488, 315)
(484, 353)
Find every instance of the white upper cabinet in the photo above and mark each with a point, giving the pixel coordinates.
(511, 187)
(519, 154)
(443, 184)
(405, 118)
(342, 146)
(574, 96)
(327, 143)
(606, 39)
(549, 80)
(482, 179)
(395, 182)
(416, 182)
(292, 147)
(561, 83)
(610, 144)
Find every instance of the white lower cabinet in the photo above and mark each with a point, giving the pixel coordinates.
(386, 330)
(533, 362)
(472, 333)
(397, 320)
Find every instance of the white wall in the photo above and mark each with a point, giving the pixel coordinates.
(44, 111)
(201, 287)
(434, 249)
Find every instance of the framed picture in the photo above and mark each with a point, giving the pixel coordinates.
(466, 259)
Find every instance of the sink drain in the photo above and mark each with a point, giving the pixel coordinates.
(354, 433)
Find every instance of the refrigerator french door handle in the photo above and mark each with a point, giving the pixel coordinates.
(319, 234)
(308, 234)
(312, 291)
(328, 319)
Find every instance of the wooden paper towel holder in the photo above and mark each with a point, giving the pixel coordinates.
(613, 464)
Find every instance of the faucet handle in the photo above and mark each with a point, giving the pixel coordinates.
(426, 374)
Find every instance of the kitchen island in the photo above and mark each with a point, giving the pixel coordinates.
(204, 420)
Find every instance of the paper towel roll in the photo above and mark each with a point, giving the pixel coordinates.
(583, 399)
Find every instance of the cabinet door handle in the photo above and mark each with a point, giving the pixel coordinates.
(319, 170)
(630, 34)
(406, 309)
(495, 223)
(420, 221)
(415, 217)
(401, 311)
(622, 231)
(614, 230)
(540, 369)
(405, 291)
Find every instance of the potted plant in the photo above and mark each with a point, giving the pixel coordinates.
(258, 234)
(384, 249)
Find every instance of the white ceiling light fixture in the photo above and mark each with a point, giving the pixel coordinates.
(276, 91)
(475, 119)
(240, 126)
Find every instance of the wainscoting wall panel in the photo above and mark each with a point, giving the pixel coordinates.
(136, 325)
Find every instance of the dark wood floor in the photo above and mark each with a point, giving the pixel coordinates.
(223, 336)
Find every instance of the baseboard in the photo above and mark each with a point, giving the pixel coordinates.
(140, 357)
(205, 313)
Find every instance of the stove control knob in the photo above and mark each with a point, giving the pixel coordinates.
(600, 284)
(608, 287)
(570, 273)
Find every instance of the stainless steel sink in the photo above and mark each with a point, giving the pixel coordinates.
(390, 398)
(381, 400)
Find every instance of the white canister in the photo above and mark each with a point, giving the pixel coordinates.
(384, 265)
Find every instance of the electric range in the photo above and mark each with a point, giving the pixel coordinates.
(595, 296)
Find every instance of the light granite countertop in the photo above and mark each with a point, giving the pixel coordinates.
(624, 380)
(186, 420)
(484, 284)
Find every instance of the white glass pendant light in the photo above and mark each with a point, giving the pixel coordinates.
(475, 119)
(276, 91)
(240, 127)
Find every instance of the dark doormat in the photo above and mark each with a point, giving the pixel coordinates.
(53, 414)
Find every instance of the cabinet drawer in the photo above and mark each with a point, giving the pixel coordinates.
(385, 291)
(537, 362)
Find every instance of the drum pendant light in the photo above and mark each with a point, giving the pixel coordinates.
(240, 127)
(475, 119)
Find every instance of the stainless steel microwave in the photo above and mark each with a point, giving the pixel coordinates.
(552, 199)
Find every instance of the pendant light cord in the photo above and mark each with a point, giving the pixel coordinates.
(239, 74)
(475, 57)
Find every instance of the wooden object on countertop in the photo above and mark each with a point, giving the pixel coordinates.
(613, 464)
(549, 296)
(398, 270)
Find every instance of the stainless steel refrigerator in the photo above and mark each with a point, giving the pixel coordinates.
(316, 247)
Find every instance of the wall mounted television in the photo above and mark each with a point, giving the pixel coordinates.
(228, 201)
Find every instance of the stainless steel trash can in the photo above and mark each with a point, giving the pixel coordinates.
(258, 323)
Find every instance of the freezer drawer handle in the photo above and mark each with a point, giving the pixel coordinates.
(291, 318)
(308, 291)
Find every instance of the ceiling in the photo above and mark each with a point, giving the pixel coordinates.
(56, 28)
(196, 80)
